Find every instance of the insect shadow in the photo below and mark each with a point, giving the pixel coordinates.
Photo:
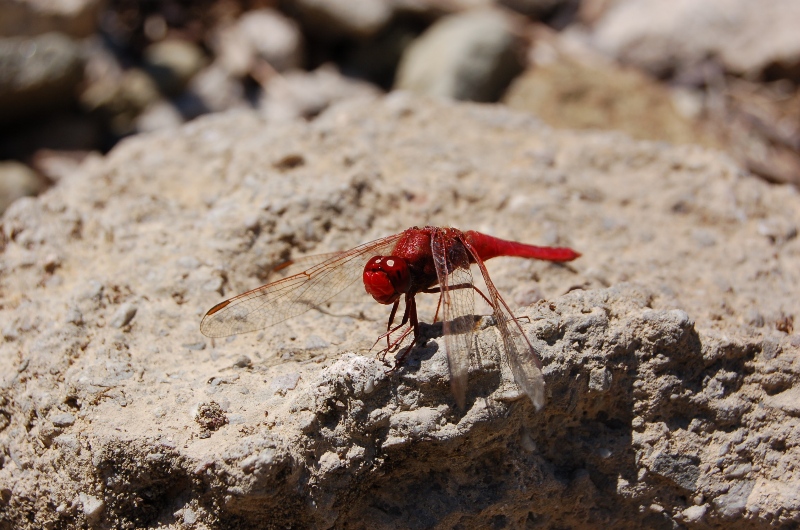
(410, 358)
(407, 363)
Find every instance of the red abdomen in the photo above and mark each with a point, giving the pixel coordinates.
(489, 247)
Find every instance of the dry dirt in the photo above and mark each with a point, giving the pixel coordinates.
(670, 357)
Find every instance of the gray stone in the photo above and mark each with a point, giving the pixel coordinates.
(92, 506)
(600, 379)
(468, 56)
(243, 361)
(732, 504)
(173, 63)
(37, 75)
(123, 315)
(159, 115)
(273, 38)
(76, 18)
(694, 514)
(664, 36)
(17, 180)
(680, 469)
(63, 419)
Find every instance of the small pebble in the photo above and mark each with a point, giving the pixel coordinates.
(92, 506)
(63, 420)
(124, 315)
(243, 361)
(692, 514)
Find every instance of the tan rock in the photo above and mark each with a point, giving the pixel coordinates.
(106, 277)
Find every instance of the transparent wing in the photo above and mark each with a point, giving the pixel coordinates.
(303, 263)
(458, 307)
(350, 297)
(524, 361)
(288, 297)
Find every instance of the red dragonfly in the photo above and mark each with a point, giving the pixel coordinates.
(397, 268)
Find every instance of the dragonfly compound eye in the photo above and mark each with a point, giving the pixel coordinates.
(386, 278)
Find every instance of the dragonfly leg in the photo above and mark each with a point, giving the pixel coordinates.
(411, 304)
(413, 325)
(390, 330)
(398, 360)
(392, 344)
(438, 307)
(434, 290)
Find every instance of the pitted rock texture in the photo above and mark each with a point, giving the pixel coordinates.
(669, 351)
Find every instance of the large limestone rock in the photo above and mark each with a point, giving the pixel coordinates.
(669, 351)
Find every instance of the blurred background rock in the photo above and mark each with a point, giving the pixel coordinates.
(78, 76)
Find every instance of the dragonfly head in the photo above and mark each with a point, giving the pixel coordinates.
(386, 278)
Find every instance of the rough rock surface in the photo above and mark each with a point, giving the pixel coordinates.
(665, 36)
(669, 351)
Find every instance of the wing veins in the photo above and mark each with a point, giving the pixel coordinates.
(250, 311)
(457, 307)
(522, 357)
